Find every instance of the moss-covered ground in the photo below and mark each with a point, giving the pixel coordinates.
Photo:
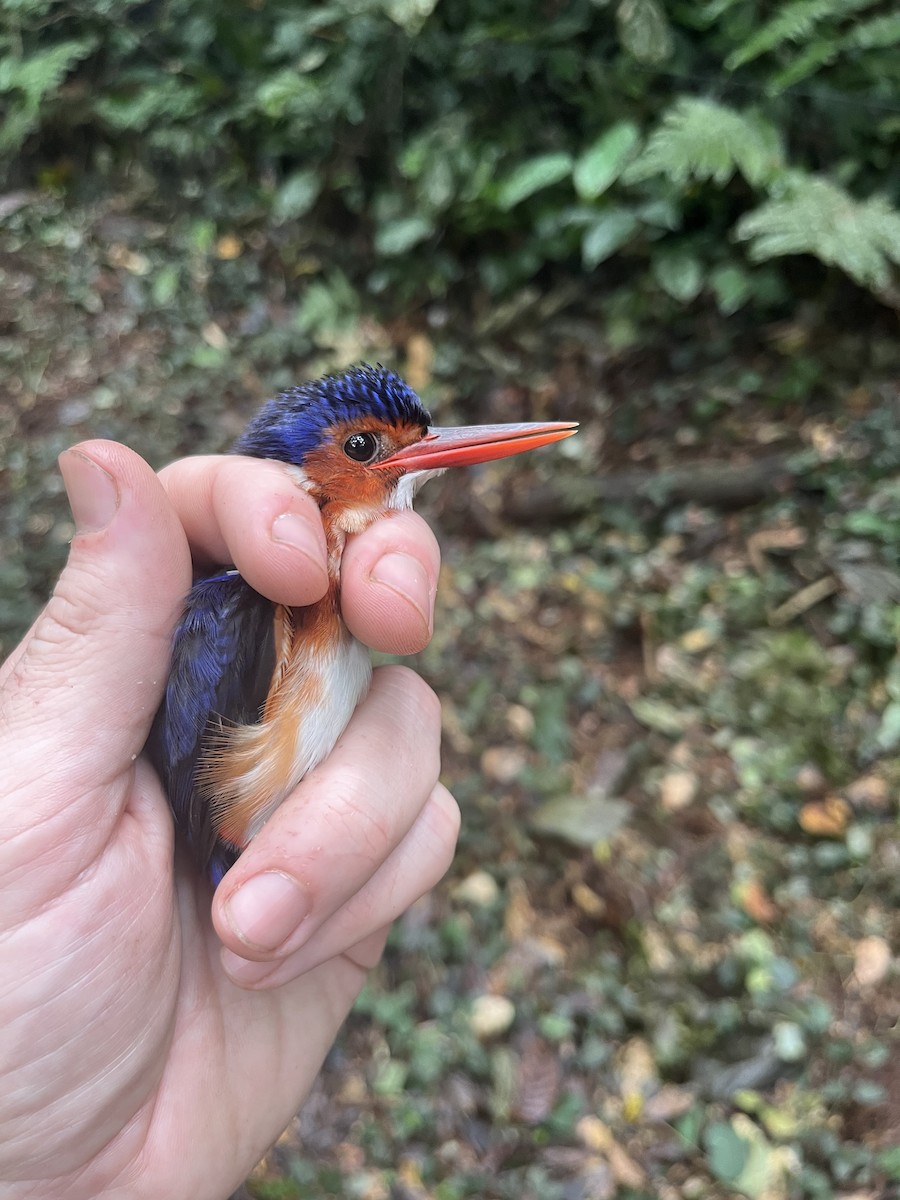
(664, 963)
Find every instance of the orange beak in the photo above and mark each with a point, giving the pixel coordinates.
(464, 445)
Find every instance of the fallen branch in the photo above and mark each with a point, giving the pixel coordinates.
(713, 485)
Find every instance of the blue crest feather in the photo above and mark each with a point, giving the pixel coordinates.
(294, 423)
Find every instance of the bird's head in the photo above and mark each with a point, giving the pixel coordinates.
(362, 442)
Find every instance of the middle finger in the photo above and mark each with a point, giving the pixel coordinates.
(338, 826)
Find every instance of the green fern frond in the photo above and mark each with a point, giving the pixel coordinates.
(876, 34)
(26, 81)
(43, 71)
(709, 13)
(794, 23)
(811, 215)
(818, 55)
(700, 139)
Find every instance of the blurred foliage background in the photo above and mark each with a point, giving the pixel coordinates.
(665, 963)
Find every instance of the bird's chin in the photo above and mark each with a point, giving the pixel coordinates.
(408, 486)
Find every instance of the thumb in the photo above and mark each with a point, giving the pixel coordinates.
(79, 698)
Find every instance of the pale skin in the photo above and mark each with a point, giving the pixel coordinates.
(156, 1038)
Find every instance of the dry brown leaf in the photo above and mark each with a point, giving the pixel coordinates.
(409, 1172)
(478, 889)
(756, 902)
(677, 790)
(503, 763)
(807, 598)
(229, 247)
(638, 1076)
(698, 640)
(214, 335)
(668, 1103)
(871, 962)
(869, 791)
(491, 1015)
(520, 721)
(594, 1133)
(520, 918)
(787, 538)
(130, 260)
(589, 902)
(598, 1137)
(419, 360)
(825, 818)
(538, 1080)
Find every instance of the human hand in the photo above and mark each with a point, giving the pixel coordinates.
(156, 1039)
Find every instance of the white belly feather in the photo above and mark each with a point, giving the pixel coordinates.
(307, 713)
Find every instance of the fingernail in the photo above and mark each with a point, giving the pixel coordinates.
(406, 576)
(93, 493)
(291, 530)
(267, 909)
(245, 972)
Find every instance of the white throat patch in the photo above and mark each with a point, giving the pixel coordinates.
(407, 486)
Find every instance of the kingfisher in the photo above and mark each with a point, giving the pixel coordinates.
(258, 693)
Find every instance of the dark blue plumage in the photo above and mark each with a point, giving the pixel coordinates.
(294, 423)
(222, 661)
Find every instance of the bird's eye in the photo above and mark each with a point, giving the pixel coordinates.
(361, 447)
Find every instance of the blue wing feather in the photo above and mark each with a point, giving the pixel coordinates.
(223, 656)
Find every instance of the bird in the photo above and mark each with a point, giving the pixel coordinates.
(259, 692)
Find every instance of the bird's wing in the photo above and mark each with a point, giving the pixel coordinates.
(223, 656)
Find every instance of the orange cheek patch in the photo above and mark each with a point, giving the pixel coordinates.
(335, 478)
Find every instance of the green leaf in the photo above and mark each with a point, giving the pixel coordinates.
(700, 139)
(607, 235)
(582, 820)
(644, 31)
(390, 1078)
(410, 15)
(164, 287)
(396, 237)
(811, 215)
(297, 195)
(727, 1153)
(889, 1161)
(793, 23)
(287, 92)
(888, 736)
(329, 306)
(602, 163)
(731, 287)
(679, 275)
(552, 727)
(202, 235)
(790, 1042)
(876, 34)
(671, 719)
(533, 176)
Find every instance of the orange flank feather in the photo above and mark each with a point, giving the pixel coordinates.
(320, 675)
(247, 771)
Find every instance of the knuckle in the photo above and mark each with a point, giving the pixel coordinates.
(71, 612)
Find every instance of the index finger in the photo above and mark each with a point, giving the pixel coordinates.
(251, 512)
